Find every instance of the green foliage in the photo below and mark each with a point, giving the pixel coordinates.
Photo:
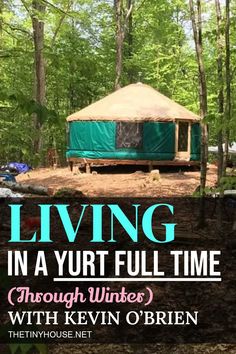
(228, 183)
(14, 347)
(26, 348)
(79, 52)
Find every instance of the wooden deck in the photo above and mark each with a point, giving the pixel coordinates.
(113, 162)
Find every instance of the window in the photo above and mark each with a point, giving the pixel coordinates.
(183, 137)
(129, 135)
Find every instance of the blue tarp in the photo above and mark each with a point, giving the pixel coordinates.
(15, 167)
(21, 167)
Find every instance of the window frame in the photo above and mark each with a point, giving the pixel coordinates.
(140, 136)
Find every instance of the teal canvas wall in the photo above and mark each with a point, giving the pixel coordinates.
(195, 142)
(97, 140)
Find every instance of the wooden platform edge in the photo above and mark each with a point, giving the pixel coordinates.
(113, 162)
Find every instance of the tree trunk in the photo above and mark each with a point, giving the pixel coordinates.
(130, 4)
(228, 83)
(39, 64)
(72, 94)
(197, 33)
(1, 11)
(26, 188)
(118, 4)
(220, 91)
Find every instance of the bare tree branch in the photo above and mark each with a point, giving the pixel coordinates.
(129, 12)
(57, 8)
(26, 7)
(69, 4)
(15, 28)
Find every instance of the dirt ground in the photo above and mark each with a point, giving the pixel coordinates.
(121, 181)
(127, 181)
(146, 349)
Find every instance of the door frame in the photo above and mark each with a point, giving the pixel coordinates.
(182, 155)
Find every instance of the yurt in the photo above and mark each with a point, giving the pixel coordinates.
(134, 125)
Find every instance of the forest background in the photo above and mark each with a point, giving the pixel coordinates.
(58, 56)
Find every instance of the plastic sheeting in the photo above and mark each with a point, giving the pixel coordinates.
(97, 140)
(232, 148)
(8, 193)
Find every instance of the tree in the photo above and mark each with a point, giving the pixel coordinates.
(1, 10)
(220, 49)
(196, 19)
(80, 55)
(38, 11)
(130, 5)
(123, 20)
(119, 42)
(228, 82)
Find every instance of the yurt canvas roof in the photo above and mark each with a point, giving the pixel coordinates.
(135, 102)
